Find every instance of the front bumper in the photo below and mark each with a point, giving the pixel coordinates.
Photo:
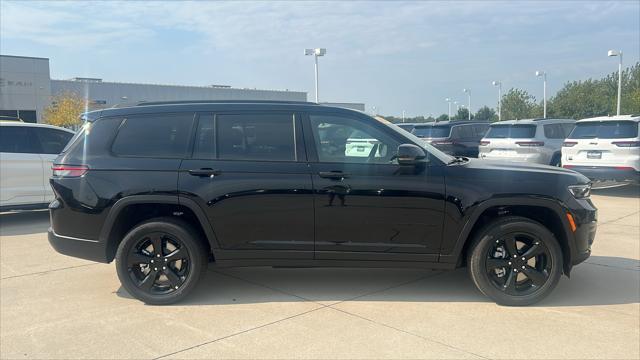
(81, 248)
(585, 216)
(607, 173)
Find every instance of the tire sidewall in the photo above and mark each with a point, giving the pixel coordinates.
(176, 229)
(477, 260)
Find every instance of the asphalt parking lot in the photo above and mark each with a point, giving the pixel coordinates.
(53, 306)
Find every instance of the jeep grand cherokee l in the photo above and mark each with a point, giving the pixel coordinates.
(164, 188)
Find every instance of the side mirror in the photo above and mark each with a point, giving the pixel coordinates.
(410, 155)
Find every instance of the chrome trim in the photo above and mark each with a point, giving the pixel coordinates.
(71, 237)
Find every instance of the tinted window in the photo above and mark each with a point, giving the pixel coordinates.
(52, 141)
(256, 137)
(567, 128)
(511, 131)
(18, 139)
(461, 132)
(204, 147)
(554, 131)
(340, 139)
(432, 131)
(605, 130)
(480, 130)
(162, 135)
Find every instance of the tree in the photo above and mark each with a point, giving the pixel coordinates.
(65, 110)
(462, 114)
(518, 104)
(443, 117)
(486, 113)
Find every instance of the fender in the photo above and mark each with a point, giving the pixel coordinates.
(158, 199)
(474, 212)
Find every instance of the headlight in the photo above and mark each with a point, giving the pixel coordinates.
(580, 191)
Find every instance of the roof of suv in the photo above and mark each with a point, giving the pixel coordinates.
(533, 121)
(213, 105)
(20, 123)
(635, 118)
(452, 122)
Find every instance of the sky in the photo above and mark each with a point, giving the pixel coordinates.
(392, 55)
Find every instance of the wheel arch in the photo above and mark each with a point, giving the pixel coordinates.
(550, 213)
(122, 217)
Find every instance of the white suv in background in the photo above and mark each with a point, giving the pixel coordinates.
(26, 153)
(532, 140)
(605, 148)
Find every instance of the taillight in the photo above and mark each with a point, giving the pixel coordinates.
(568, 166)
(69, 170)
(485, 142)
(626, 143)
(530, 143)
(569, 143)
(442, 142)
(624, 168)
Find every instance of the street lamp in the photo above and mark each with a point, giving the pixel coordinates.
(449, 102)
(499, 85)
(468, 91)
(316, 52)
(618, 53)
(457, 106)
(544, 91)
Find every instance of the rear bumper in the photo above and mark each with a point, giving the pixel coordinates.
(607, 173)
(81, 248)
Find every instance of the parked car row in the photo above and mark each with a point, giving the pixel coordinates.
(603, 148)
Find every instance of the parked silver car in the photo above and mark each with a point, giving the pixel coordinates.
(531, 140)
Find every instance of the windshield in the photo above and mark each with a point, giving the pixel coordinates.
(416, 140)
(511, 131)
(605, 130)
(432, 131)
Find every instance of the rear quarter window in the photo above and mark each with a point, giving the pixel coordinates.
(161, 136)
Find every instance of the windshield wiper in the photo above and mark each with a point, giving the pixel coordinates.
(458, 160)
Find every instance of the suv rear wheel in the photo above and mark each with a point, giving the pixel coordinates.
(515, 261)
(160, 261)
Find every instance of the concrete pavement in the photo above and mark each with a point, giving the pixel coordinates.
(53, 306)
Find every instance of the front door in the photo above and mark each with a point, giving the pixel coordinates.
(249, 173)
(366, 205)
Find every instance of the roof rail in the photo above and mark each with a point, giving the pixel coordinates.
(178, 102)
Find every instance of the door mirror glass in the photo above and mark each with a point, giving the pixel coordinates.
(410, 154)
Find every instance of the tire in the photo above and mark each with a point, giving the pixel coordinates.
(556, 160)
(180, 264)
(510, 280)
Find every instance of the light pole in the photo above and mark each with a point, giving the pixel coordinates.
(316, 52)
(449, 102)
(468, 91)
(544, 91)
(619, 54)
(499, 85)
(402, 115)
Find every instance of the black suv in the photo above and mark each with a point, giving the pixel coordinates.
(457, 138)
(165, 188)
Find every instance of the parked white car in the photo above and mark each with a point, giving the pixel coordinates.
(605, 148)
(27, 151)
(532, 140)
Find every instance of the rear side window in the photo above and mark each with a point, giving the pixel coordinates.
(18, 139)
(52, 141)
(205, 147)
(162, 135)
(268, 137)
(554, 131)
(605, 130)
(511, 131)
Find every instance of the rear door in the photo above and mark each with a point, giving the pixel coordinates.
(21, 169)
(248, 172)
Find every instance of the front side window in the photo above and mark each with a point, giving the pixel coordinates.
(160, 135)
(267, 137)
(52, 141)
(18, 139)
(346, 140)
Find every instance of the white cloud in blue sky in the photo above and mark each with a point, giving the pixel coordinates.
(392, 55)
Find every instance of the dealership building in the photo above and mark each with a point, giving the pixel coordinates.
(26, 89)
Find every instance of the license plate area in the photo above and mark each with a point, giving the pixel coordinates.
(594, 154)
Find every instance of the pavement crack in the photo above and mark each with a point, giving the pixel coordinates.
(48, 271)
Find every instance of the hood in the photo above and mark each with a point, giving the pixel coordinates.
(525, 171)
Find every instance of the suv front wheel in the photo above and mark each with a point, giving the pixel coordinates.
(160, 261)
(515, 261)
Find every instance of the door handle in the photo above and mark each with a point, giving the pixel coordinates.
(205, 172)
(333, 175)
